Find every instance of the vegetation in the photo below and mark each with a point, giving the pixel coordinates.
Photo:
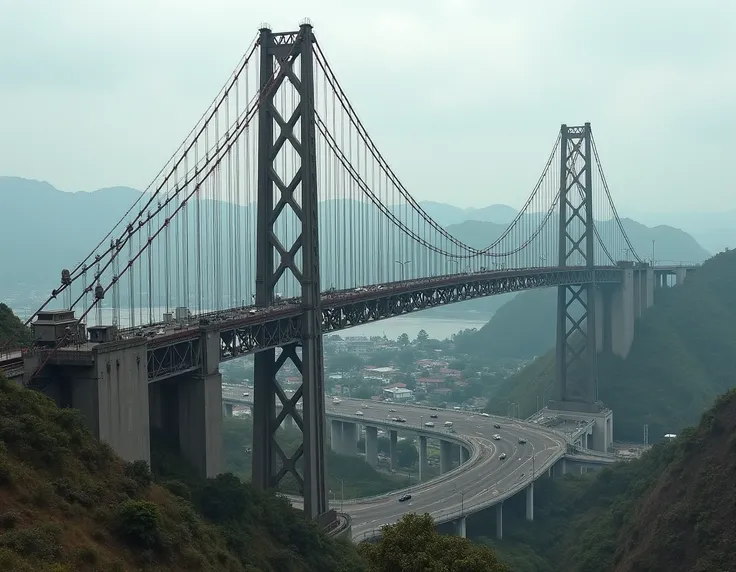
(67, 503)
(12, 330)
(680, 361)
(348, 477)
(669, 510)
(414, 545)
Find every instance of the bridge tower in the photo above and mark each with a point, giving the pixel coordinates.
(289, 57)
(576, 344)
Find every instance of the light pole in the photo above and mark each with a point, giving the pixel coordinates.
(342, 493)
(653, 243)
(462, 503)
(404, 263)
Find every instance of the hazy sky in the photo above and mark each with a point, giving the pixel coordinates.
(457, 93)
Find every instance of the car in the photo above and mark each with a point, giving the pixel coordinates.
(392, 410)
(359, 413)
(502, 456)
(401, 420)
(433, 416)
(429, 424)
(496, 425)
(484, 415)
(396, 419)
(497, 437)
(404, 498)
(522, 441)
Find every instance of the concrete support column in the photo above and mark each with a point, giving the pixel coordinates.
(680, 275)
(445, 456)
(499, 521)
(464, 455)
(647, 288)
(228, 407)
(530, 502)
(392, 449)
(200, 422)
(460, 527)
(622, 315)
(350, 439)
(112, 396)
(422, 458)
(637, 293)
(336, 435)
(371, 445)
(560, 468)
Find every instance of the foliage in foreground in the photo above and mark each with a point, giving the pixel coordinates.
(670, 510)
(68, 503)
(414, 545)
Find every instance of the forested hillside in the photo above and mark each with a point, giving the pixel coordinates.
(670, 511)
(12, 331)
(681, 359)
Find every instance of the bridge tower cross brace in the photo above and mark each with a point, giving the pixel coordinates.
(576, 344)
(279, 55)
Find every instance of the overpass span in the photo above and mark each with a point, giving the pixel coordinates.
(481, 482)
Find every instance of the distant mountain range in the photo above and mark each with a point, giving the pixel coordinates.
(44, 230)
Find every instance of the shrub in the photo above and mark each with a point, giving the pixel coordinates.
(138, 522)
(140, 473)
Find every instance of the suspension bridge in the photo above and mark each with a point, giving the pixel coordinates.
(277, 220)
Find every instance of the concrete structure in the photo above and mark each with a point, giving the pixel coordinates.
(398, 393)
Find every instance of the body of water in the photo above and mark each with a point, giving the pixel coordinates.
(437, 328)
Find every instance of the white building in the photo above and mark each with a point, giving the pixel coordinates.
(398, 393)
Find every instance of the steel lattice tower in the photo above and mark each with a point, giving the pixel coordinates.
(283, 51)
(576, 344)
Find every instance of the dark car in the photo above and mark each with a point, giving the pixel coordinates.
(522, 441)
(433, 416)
(404, 498)
(496, 425)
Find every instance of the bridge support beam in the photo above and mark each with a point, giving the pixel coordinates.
(623, 314)
(445, 456)
(336, 435)
(297, 259)
(680, 275)
(499, 521)
(112, 396)
(464, 455)
(423, 458)
(200, 422)
(350, 439)
(371, 445)
(393, 441)
(461, 527)
(530, 502)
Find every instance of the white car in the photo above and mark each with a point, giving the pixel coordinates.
(497, 437)
(502, 456)
(429, 424)
(484, 415)
(359, 413)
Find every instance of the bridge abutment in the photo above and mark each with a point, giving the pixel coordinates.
(108, 384)
(461, 527)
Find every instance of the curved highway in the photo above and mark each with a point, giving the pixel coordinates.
(483, 481)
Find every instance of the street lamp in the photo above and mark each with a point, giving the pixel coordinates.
(462, 503)
(342, 493)
(404, 263)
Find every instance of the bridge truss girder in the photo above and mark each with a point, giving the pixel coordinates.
(576, 358)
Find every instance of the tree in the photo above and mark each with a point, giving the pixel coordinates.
(403, 340)
(406, 359)
(345, 362)
(414, 545)
(406, 453)
(422, 337)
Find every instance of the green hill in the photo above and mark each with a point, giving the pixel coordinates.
(524, 327)
(670, 511)
(67, 503)
(681, 359)
(12, 331)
